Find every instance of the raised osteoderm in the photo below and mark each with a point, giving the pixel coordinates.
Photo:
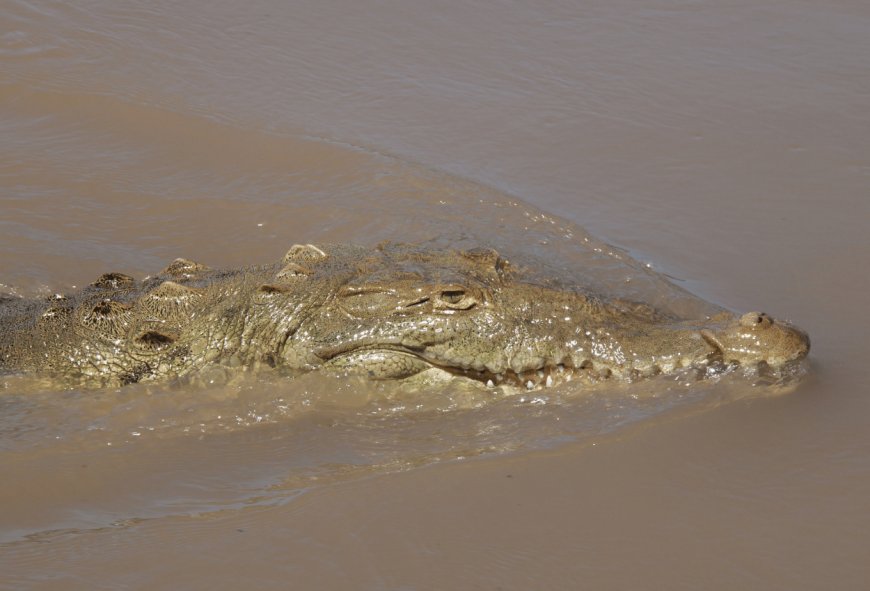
(394, 312)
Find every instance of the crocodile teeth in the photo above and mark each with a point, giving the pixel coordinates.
(545, 377)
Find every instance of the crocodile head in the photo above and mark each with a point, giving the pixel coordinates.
(406, 311)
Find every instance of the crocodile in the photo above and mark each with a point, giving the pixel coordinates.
(396, 311)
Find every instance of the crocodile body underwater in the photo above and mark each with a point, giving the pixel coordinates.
(391, 312)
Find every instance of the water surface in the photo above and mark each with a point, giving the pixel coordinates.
(716, 147)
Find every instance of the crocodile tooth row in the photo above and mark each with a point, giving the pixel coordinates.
(545, 377)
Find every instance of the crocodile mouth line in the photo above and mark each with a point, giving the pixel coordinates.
(589, 371)
(547, 375)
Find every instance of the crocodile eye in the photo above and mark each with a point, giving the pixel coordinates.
(452, 296)
(455, 298)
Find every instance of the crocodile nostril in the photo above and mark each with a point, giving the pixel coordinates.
(755, 319)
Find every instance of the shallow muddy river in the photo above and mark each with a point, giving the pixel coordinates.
(652, 151)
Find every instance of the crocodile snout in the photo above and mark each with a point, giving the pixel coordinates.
(756, 337)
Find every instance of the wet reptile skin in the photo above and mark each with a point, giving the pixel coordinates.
(392, 312)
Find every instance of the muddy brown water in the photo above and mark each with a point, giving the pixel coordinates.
(648, 149)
